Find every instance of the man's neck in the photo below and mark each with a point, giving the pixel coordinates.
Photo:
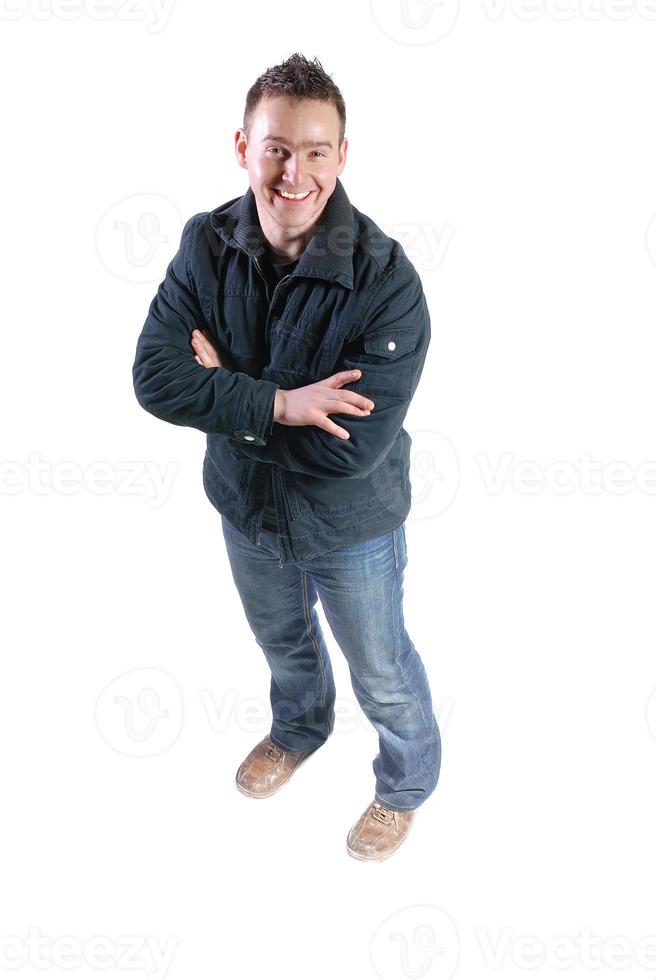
(279, 259)
(289, 250)
(286, 246)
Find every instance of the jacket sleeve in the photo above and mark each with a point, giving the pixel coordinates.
(390, 351)
(170, 384)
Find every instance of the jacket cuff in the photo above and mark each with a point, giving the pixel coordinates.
(254, 419)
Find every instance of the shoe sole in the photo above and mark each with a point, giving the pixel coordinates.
(372, 860)
(361, 857)
(264, 796)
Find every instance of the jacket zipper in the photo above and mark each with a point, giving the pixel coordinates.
(270, 302)
(266, 287)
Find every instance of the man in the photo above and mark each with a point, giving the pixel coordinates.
(293, 332)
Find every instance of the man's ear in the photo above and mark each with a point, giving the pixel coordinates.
(241, 143)
(342, 154)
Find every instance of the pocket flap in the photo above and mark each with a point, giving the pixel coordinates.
(394, 343)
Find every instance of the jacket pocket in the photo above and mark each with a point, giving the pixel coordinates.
(392, 345)
(319, 496)
(337, 497)
(386, 361)
(294, 347)
(227, 467)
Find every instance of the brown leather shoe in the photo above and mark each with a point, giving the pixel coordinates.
(378, 832)
(267, 767)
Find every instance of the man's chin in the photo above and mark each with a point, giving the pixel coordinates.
(294, 220)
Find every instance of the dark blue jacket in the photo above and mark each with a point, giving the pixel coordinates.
(353, 300)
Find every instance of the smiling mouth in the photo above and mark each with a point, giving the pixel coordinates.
(293, 200)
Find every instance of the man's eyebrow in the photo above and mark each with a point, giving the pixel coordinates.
(307, 143)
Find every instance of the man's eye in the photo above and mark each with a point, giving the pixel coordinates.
(277, 148)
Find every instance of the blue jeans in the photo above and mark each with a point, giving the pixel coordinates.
(361, 592)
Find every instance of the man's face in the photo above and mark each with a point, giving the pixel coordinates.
(279, 157)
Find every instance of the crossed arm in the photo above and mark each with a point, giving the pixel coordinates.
(187, 384)
(394, 350)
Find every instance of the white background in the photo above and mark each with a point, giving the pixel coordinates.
(511, 148)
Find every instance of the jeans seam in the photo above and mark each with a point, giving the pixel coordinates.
(397, 652)
(426, 766)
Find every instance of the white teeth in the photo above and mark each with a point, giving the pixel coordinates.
(294, 197)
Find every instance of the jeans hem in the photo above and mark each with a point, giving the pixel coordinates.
(397, 809)
(288, 748)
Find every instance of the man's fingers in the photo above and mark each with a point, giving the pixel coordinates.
(352, 397)
(343, 377)
(356, 403)
(199, 342)
(335, 430)
(205, 350)
(201, 355)
(348, 408)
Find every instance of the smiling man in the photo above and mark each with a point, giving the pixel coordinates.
(293, 331)
(293, 151)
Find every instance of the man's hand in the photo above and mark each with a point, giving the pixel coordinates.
(205, 352)
(312, 404)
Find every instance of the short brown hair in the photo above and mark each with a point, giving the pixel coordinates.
(297, 78)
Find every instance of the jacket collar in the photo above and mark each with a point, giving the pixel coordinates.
(328, 254)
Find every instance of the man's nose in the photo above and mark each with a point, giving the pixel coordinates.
(294, 171)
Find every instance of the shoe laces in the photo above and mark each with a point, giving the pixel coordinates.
(382, 813)
(273, 752)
